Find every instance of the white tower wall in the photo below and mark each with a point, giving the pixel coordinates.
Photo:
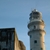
(39, 37)
(36, 31)
(37, 27)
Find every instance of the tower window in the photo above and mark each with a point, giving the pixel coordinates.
(30, 49)
(35, 41)
(36, 13)
(34, 27)
(36, 17)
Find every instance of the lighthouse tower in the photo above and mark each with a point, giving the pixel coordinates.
(36, 31)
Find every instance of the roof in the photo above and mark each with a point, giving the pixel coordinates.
(7, 29)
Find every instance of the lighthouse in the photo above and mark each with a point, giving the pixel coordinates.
(36, 31)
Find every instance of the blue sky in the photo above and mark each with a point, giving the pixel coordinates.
(15, 13)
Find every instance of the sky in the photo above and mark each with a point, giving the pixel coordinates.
(15, 13)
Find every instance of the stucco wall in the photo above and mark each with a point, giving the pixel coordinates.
(17, 47)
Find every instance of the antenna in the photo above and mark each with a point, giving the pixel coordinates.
(36, 3)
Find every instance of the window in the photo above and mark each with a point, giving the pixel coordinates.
(36, 13)
(30, 49)
(0, 47)
(9, 36)
(3, 33)
(35, 41)
(36, 17)
(41, 48)
(4, 49)
(34, 27)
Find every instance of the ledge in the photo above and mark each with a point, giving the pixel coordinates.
(36, 22)
(37, 30)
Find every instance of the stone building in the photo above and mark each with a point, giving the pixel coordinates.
(36, 31)
(9, 40)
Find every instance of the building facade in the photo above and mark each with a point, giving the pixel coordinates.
(9, 40)
(36, 31)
